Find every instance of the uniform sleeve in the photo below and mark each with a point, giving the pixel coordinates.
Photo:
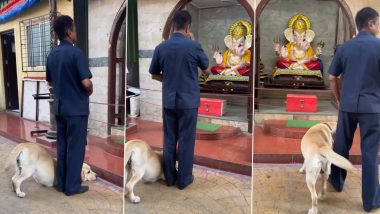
(155, 67)
(82, 66)
(203, 61)
(336, 67)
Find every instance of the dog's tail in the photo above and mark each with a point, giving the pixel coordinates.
(13, 158)
(127, 156)
(336, 159)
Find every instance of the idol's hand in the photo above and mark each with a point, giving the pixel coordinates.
(284, 52)
(319, 51)
(277, 47)
(218, 57)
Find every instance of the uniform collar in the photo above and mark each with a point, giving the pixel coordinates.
(364, 33)
(64, 42)
(176, 34)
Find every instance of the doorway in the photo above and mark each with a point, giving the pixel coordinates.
(245, 10)
(10, 71)
(116, 69)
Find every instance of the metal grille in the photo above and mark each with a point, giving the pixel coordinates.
(35, 43)
(3, 3)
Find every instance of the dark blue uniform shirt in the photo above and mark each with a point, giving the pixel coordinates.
(358, 60)
(178, 59)
(66, 67)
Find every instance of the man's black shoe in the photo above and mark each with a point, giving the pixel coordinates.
(181, 187)
(58, 189)
(335, 188)
(81, 190)
(370, 209)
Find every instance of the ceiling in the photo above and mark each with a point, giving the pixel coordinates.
(213, 3)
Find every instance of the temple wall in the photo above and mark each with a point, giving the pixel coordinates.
(152, 15)
(99, 29)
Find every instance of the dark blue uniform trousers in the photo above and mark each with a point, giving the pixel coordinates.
(179, 126)
(369, 125)
(71, 143)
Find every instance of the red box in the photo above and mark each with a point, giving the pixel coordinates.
(212, 107)
(301, 103)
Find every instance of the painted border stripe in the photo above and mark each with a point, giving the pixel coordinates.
(146, 53)
(14, 8)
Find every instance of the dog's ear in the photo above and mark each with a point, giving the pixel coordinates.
(83, 174)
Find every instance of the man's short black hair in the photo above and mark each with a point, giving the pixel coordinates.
(61, 26)
(364, 16)
(181, 20)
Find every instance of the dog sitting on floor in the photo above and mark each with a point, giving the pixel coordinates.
(142, 163)
(30, 159)
(316, 147)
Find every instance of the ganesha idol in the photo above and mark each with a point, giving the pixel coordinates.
(235, 61)
(298, 64)
(231, 72)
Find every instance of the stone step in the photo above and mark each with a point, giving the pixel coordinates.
(131, 128)
(260, 118)
(241, 125)
(43, 140)
(114, 148)
(278, 128)
(117, 131)
(221, 133)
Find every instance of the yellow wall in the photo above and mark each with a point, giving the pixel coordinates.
(63, 7)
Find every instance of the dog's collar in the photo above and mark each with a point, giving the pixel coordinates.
(331, 130)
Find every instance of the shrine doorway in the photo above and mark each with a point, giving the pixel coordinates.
(214, 18)
(117, 69)
(273, 123)
(334, 28)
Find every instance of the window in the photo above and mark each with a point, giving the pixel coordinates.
(38, 44)
(35, 43)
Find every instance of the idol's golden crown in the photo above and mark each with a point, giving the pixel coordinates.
(240, 28)
(299, 23)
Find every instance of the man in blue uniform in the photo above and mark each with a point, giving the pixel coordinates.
(358, 60)
(68, 73)
(175, 62)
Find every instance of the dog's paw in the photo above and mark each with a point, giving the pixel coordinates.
(321, 196)
(21, 194)
(13, 187)
(301, 171)
(311, 211)
(135, 199)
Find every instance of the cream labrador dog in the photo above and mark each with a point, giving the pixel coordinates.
(30, 159)
(142, 163)
(316, 147)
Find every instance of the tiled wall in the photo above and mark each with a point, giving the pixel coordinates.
(101, 17)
